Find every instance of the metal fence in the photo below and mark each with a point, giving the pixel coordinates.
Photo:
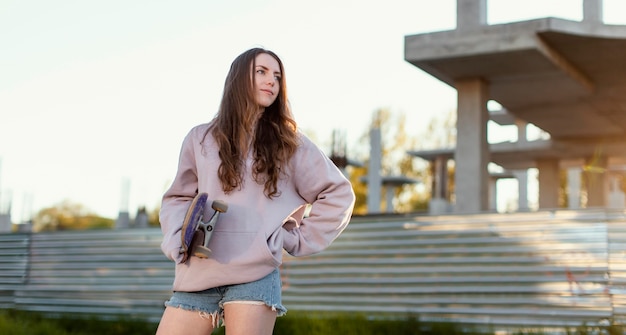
(549, 268)
(559, 268)
(13, 266)
(101, 272)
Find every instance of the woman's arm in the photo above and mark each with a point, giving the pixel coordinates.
(330, 195)
(176, 200)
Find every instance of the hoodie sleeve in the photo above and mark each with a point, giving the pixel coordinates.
(176, 200)
(322, 185)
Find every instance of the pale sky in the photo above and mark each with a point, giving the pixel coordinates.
(93, 93)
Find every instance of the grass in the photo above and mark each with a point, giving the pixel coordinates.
(359, 324)
(302, 323)
(27, 323)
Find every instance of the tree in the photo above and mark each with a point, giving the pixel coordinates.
(68, 215)
(396, 141)
(356, 174)
(395, 161)
(153, 217)
(440, 134)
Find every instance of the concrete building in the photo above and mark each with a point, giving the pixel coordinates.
(566, 77)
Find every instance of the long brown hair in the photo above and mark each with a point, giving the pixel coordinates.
(274, 141)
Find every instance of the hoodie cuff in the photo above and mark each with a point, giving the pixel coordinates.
(290, 241)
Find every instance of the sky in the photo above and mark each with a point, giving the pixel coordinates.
(96, 96)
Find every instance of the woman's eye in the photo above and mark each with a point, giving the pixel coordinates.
(277, 78)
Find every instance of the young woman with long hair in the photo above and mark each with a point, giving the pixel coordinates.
(253, 157)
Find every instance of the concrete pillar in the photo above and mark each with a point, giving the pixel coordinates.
(438, 206)
(617, 198)
(548, 183)
(389, 195)
(5, 217)
(374, 179)
(5, 223)
(522, 175)
(141, 219)
(472, 150)
(596, 180)
(522, 190)
(440, 178)
(593, 11)
(573, 188)
(25, 227)
(439, 189)
(123, 217)
(123, 220)
(521, 131)
(493, 193)
(470, 14)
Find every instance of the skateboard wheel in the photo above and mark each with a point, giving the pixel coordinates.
(202, 252)
(219, 206)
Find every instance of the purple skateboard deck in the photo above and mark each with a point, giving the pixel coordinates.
(190, 224)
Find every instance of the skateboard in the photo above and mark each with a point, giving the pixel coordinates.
(196, 233)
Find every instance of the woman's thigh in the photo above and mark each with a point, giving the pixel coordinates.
(248, 318)
(177, 321)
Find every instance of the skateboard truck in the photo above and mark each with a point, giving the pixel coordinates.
(202, 250)
(195, 234)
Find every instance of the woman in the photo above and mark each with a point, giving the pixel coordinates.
(252, 157)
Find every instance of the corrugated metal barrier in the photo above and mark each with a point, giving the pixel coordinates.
(13, 266)
(535, 269)
(559, 269)
(100, 272)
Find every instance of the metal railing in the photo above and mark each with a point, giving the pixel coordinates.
(559, 268)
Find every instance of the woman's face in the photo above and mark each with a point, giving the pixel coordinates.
(266, 75)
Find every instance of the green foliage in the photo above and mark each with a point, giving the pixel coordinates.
(529, 332)
(360, 324)
(360, 189)
(395, 141)
(302, 323)
(27, 323)
(10, 323)
(610, 329)
(153, 217)
(68, 215)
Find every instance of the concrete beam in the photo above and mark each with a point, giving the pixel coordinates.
(565, 65)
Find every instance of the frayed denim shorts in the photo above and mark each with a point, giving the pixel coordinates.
(266, 290)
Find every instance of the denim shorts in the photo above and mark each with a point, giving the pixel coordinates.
(266, 290)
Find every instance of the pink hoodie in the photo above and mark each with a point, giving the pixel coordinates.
(249, 238)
